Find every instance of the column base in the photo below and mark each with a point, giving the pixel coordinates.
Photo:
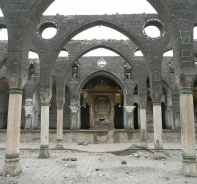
(159, 154)
(189, 167)
(44, 151)
(12, 167)
(59, 145)
(143, 144)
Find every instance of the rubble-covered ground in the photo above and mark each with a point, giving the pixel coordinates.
(135, 167)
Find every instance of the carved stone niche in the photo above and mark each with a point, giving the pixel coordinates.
(102, 113)
(101, 99)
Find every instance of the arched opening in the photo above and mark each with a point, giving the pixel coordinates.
(89, 34)
(99, 7)
(1, 13)
(101, 103)
(100, 52)
(4, 96)
(64, 53)
(149, 107)
(3, 32)
(138, 53)
(163, 110)
(66, 119)
(168, 53)
(136, 126)
(195, 101)
(195, 32)
(33, 55)
(53, 108)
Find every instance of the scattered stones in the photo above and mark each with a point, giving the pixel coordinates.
(123, 162)
(140, 155)
(85, 143)
(73, 159)
(65, 159)
(80, 143)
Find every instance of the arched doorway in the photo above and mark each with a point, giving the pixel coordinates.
(101, 104)
(4, 96)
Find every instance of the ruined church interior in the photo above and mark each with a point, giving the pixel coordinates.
(52, 89)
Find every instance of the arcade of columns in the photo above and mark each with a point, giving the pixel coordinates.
(23, 28)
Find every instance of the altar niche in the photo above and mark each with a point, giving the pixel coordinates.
(99, 104)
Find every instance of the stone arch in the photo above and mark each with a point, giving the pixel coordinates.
(131, 35)
(112, 104)
(3, 61)
(125, 57)
(109, 74)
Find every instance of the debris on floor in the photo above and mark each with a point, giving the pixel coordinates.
(136, 151)
(141, 155)
(65, 159)
(73, 159)
(123, 162)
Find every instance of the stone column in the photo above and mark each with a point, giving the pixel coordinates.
(129, 112)
(157, 121)
(60, 113)
(74, 116)
(44, 137)
(12, 166)
(143, 142)
(189, 167)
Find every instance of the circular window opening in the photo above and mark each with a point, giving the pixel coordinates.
(3, 34)
(48, 30)
(154, 29)
(64, 53)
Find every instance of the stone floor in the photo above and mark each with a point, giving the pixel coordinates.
(56, 170)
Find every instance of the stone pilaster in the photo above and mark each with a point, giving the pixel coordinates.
(74, 115)
(143, 142)
(60, 111)
(189, 167)
(157, 121)
(29, 113)
(129, 114)
(12, 165)
(44, 137)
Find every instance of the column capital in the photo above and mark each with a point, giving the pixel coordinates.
(186, 81)
(15, 91)
(60, 104)
(16, 83)
(186, 91)
(156, 103)
(142, 104)
(45, 98)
